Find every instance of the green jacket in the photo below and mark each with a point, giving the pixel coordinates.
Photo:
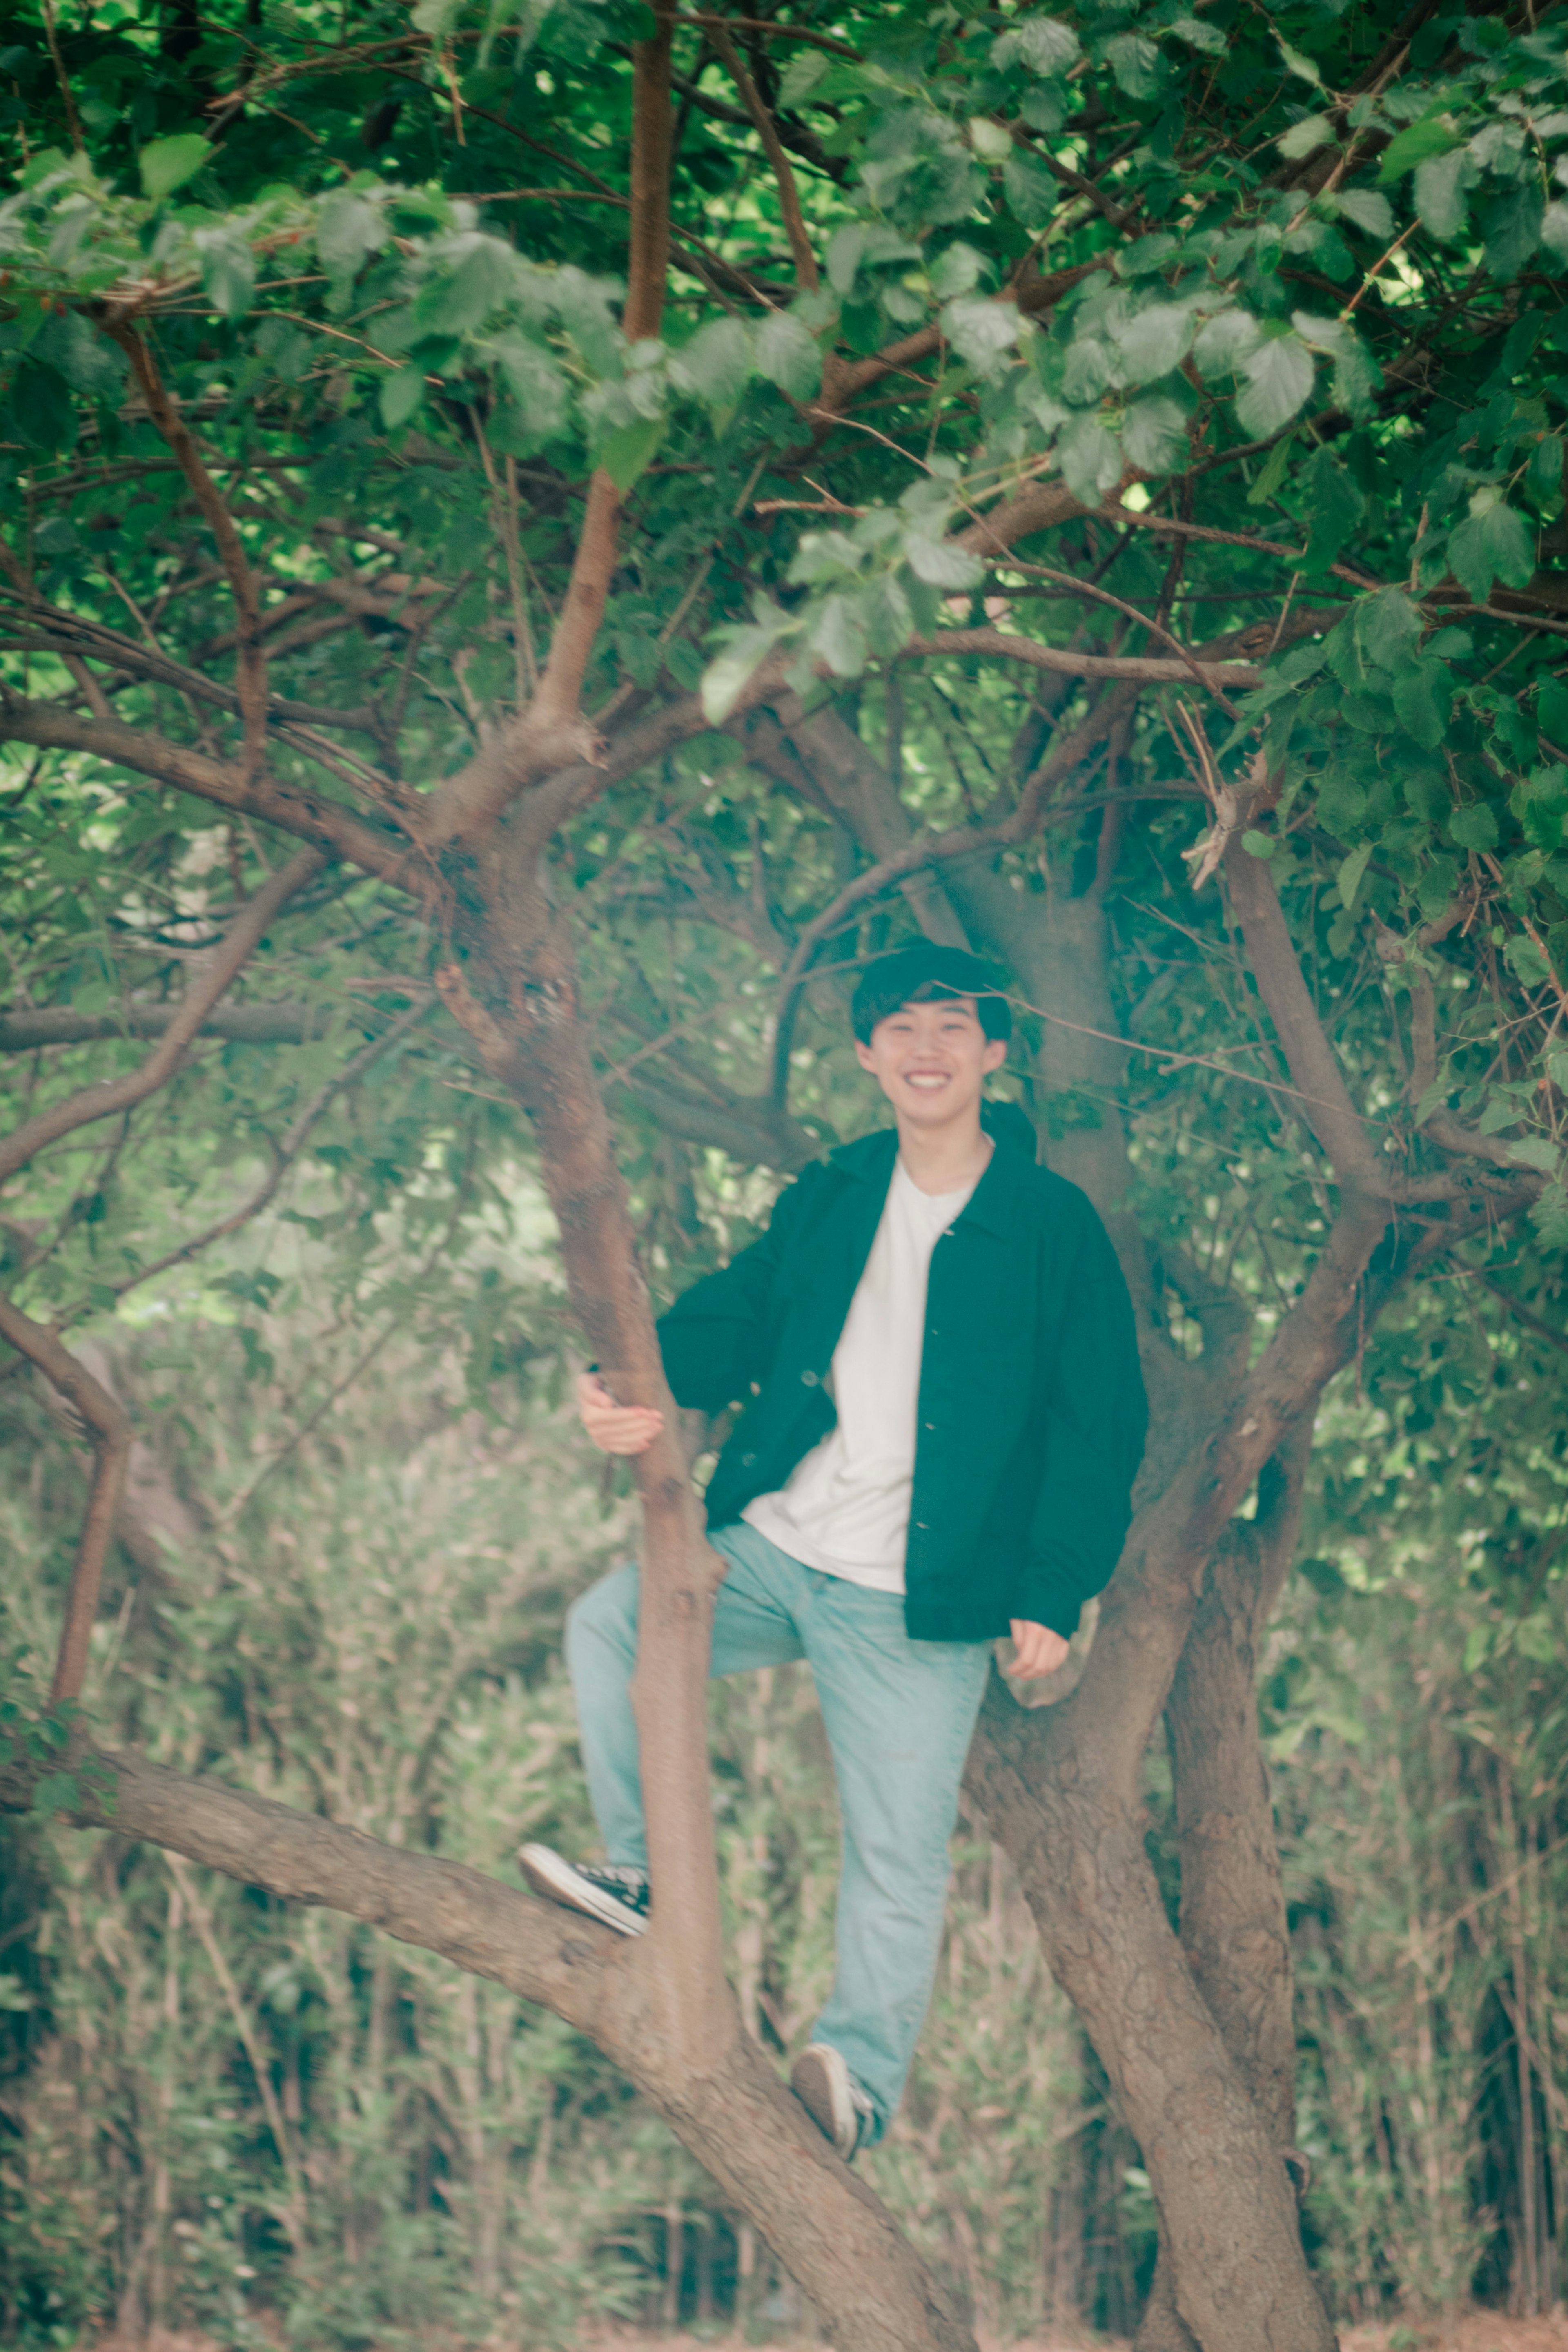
(1031, 1414)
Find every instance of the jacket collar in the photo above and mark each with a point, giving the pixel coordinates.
(994, 1201)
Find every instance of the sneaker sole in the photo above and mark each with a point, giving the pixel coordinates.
(813, 2083)
(549, 1875)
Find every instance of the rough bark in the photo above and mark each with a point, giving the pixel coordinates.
(1233, 1925)
(1195, 2033)
(1226, 2205)
(108, 1425)
(689, 2048)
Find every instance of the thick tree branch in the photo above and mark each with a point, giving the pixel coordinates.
(1325, 1097)
(310, 816)
(165, 413)
(209, 979)
(1010, 644)
(109, 1426)
(806, 274)
(279, 1023)
(648, 262)
(1033, 293)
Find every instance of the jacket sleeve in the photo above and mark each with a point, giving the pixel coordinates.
(719, 1337)
(1096, 1420)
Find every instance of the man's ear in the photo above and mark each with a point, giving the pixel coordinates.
(865, 1055)
(995, 1055)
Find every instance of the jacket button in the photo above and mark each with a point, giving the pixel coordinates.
(920, 1526)
(808, 1378)
(931, 1425)
(747, 1461)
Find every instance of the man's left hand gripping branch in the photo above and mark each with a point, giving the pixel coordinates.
(943, 1415)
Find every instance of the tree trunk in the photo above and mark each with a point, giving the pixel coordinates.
(676, 2028)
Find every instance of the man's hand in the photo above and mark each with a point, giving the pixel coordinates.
(614, 1428)
(1040, 1651)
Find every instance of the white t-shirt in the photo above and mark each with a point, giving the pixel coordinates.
(845, 1510)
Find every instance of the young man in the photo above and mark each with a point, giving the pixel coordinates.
(943, 1414)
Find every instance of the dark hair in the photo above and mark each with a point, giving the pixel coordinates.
(924, 974)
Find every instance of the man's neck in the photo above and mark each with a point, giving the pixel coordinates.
(945, 1159)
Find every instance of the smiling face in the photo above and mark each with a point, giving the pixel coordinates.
(932, 1060)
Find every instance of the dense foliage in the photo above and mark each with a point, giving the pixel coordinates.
(996, 346)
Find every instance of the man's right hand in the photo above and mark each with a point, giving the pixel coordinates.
(614, 1428)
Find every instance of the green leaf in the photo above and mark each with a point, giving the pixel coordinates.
(1044, 44)
(839, 637)
(1031, 194)
(1551, 711)
(1513, 225)
(1154, 340)
(1534, 1637)
(1528, 965)
(457, 301)
(624, 452)
(716, 365)
(1258, 845)
(1549, 1217)
(1434, 134)
(1278, 380)
(1389, 625)
(1153, 435)
(801, 77)
(1208, 40)
(401, 395)
(1474, 827)
(1304, 138)
(992, 141)
(843, 256)
(981, 331)
(940, 562)
(728, 675)
(1223, 343)
(228, 274)
(1545, 472)
(1422, 698)
(1555, 230)
(1368, 210)
(1091, 460)
(1302, 66)
(167, 164)
(1333, 507)
(1496, 543)
(89, 362)
(41, 406)
(789, 356)
(537, 384)
(1086, 369)
(957, 270)
(1274, 468)
(1136, 64)
(1440, 188)
(1350, 875)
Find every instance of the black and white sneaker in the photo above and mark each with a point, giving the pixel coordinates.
(614, 1895)
(835, 2102)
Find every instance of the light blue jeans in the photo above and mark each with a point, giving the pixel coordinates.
(899, 1716)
